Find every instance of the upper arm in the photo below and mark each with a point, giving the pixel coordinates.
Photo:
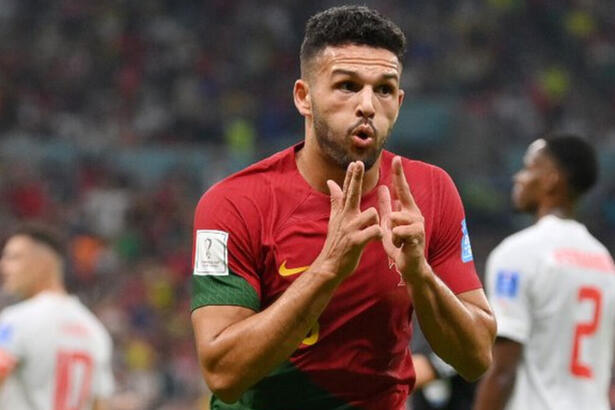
(507, 283)
(476, 301)
(450, 253)
(210, 321)
(226, 251)
(103, 382)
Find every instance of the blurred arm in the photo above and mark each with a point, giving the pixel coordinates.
(425, 372)
(100, 404)
(497, 385)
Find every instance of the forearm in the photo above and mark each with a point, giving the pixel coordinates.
(246, 351)
(460, 333)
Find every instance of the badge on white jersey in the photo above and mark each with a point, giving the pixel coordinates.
(211, 253)
(6, 333)
(466, 248)
(507, 284)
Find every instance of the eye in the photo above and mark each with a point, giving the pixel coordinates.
(348, 86)
(384, 89)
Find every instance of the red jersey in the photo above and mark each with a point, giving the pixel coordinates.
(257, 230)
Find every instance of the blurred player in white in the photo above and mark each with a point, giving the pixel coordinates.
(552, 288)
(54, 354)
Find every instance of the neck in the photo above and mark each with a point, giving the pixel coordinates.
(562, 210)
(52, 287)
(316, 168)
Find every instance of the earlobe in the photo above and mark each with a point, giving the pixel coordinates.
(301, 96)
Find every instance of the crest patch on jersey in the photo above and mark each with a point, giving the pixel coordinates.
(6, 333)
(211, 253)
(466, 248)
(507, 284)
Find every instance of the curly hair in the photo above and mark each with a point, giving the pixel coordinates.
(576, 158)
(350, 25)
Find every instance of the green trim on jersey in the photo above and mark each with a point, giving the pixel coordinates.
(286, 388)
(230, 289)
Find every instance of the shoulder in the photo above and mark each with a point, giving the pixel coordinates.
(93, 321)
(416, 169)
(525, 245)
(253, 184)
(25, 310)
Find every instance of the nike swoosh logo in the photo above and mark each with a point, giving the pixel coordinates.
(284, 271)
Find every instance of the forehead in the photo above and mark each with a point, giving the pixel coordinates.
(358, 58)
(534, 151)
(19, 243)
(537, 155)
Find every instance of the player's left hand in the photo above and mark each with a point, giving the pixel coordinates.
(403, 229)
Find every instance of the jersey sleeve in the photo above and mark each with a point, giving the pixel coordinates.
(450, 252)
(226, 242)
(508, 292)
(103, 383)
(11, 346)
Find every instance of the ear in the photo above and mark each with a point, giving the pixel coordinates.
(553, 181)
(301, 96)
(400, 100)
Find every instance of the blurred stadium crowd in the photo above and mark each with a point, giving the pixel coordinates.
(115, 116)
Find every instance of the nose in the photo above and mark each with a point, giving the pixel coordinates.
(365, 107)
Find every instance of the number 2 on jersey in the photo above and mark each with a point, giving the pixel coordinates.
(73, 378)
(585, 329)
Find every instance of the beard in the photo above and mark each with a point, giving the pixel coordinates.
(338, 149)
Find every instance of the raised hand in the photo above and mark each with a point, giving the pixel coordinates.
(403, 229)
(350, 229)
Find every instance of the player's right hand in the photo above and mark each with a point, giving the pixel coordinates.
(350, 229)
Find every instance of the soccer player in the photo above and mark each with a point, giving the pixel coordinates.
(54, 354)
(552, 289)
(307, 270)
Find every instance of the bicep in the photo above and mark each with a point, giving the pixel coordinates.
(475, 300)
(211, 321)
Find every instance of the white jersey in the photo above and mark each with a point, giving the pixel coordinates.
(552, 289)
(61, 353)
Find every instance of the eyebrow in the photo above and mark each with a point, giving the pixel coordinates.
(385, 76)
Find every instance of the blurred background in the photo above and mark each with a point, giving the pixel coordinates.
(116, 116)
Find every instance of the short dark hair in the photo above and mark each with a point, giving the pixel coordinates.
(44, 234)
(577, 159)
(350, 25)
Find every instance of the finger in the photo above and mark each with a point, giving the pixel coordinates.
(402, 189)
(347, 178)
(353, 196)
(364, 219)
(384, 202)
(407, 234)
(336, 196)
(368, 234)
(398, 218)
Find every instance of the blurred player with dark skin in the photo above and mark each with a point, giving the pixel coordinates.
(552, 289)
(309, 264)
(54, 354)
